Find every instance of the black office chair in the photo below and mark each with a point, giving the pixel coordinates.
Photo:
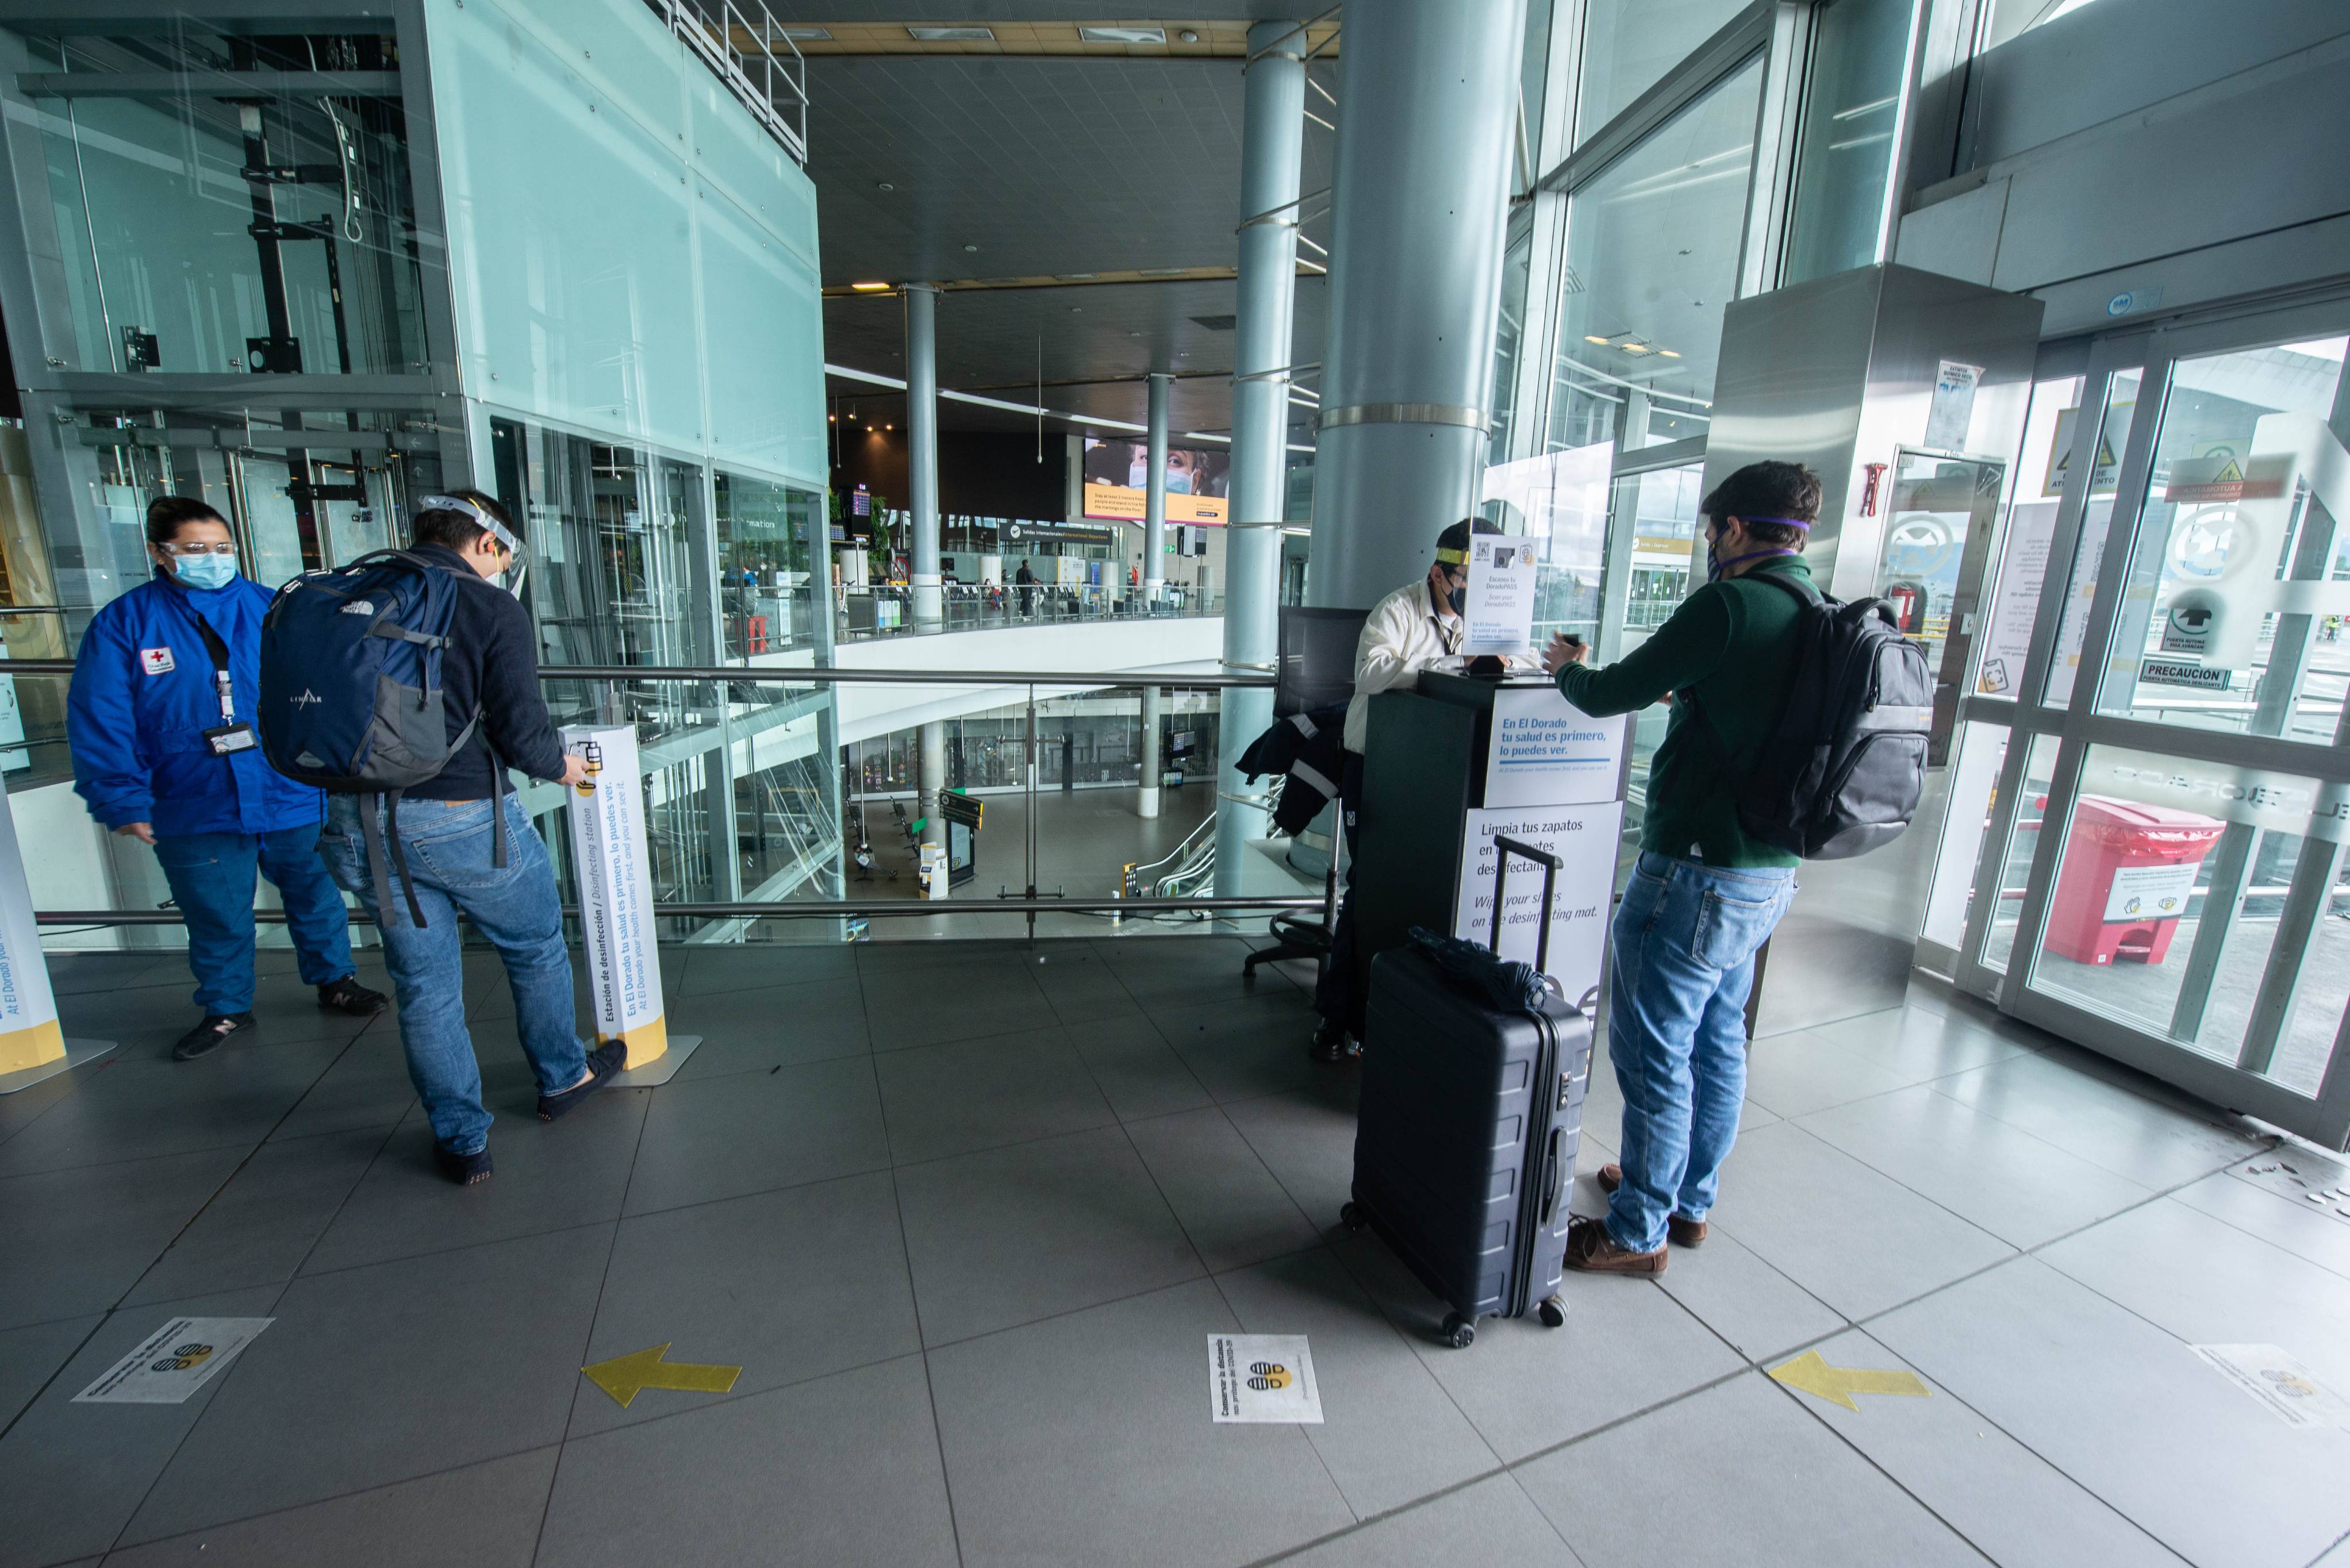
(1316, 671)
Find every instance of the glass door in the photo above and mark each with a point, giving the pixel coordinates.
(2159, 875)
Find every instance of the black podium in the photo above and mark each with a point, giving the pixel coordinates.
(1449, 766)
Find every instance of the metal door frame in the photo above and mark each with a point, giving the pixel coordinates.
(2326, 1117)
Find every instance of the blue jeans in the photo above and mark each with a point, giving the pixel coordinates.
(211, 878)
(447, 844)
(1682, 964)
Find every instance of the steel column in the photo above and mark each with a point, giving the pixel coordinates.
(922, 446)
(1270, 135)
(1427, 128)
(931, 781)
(1146, 800)
(1154, 495)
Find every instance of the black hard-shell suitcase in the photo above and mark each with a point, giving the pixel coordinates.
(1465, 1140)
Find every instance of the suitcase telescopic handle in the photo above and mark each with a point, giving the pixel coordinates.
(1503, 847)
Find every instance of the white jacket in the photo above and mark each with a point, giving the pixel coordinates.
(1402, 637)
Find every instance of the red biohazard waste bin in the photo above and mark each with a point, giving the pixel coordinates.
(2128, 870)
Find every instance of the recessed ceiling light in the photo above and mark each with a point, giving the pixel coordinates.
(971, 247)
(1123, 35)
(808, 35)
(1188, 36)
(1593, 338)
(870, 287)
(1670, 353)
(1075, 308)
(883, 185)
(952, 34)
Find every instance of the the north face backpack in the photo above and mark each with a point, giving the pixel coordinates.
(1843, 773)
(350, 693)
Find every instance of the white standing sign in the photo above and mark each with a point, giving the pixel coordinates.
(1583, 839)
(616, 891)
(174, 1361)
(1497, 614)
(1260, 1377)
(29, 1036)
(1547, 752)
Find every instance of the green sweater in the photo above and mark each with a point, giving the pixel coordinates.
(1731, 646)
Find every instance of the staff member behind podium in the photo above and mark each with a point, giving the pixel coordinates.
(1703, 895)
(163, 753)
(1413, 628)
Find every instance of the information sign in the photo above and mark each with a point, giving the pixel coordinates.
(1547, 752)
(616, 913)
(1497, 614)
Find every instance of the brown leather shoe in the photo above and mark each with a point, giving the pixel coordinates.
(1591, 1250)
(1683, 1231)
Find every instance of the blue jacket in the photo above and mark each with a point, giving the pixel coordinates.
(143, 697)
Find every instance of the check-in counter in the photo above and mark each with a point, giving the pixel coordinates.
(1460, 760)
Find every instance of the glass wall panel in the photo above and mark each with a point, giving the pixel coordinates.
(1983, 750)
(611, 532)
(1664, 547)
(764, 529)
(1650, 261)
(2177, 880)
(2240, 577)
(163, 266)
(1560, 500)
(2026, 543)
(2097, 519)
(1860, 61)
(1629, 44)
(2015, 854)
(1508, 344)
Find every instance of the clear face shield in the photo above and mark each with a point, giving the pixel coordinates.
(517, 564)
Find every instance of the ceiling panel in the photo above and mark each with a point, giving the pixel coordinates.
(1048, 166)
(1097, 343)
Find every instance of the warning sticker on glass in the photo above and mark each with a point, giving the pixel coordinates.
(176, 1361)
(1263, 1378)
(2280, 1383)
(2150, 892)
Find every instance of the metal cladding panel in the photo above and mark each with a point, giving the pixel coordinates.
(1838, 374)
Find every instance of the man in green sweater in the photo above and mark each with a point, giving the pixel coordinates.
(1704, 895)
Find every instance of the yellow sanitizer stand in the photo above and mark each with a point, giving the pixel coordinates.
(616, 915)
(33, 1046)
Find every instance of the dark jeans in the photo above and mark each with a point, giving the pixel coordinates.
(452, 866)
(1336, 996)
(211, 878)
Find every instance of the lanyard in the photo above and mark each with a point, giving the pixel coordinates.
(219, 651)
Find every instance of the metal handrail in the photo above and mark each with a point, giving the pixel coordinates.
(832, 675)
(812, 910)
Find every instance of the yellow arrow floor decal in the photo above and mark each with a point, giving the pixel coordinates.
(624, 1376)
(1838, 1385)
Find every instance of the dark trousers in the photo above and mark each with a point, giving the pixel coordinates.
(211, 878)
(1337, 995)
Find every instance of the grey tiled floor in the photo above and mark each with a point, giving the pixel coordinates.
(965, 1214)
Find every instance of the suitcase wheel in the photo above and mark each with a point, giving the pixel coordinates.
(1352, 1217)
(1459, 1332)
(1553, 1311)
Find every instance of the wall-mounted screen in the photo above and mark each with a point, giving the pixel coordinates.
(1116, 472)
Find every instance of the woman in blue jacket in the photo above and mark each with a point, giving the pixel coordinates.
(163, 753)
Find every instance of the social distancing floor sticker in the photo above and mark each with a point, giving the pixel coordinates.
(1263, 1378)
(174, 1361)
(2281, 1385)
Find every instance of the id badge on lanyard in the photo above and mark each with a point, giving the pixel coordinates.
(229, 736)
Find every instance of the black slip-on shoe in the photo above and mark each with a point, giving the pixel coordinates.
(1328, 1044)
(465, 1170)
(347, 995)
(602, 1063)
(206, 1037)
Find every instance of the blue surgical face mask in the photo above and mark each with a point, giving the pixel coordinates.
(204, 571)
